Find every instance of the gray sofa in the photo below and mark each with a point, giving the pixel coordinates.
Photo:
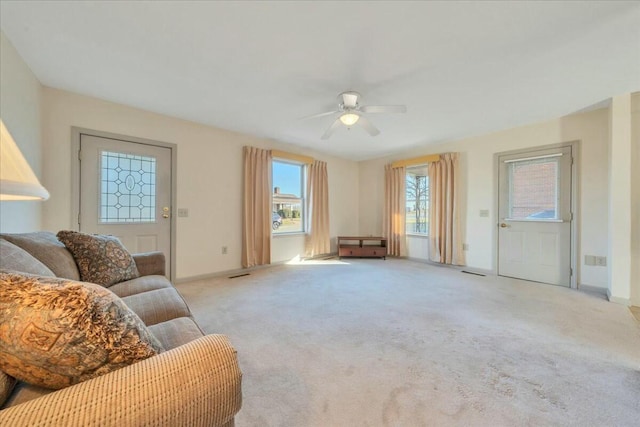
(197, 381)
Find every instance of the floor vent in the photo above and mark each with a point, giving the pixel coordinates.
(476, 274)
(239, 275)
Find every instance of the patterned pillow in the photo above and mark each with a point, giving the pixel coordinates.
(101, 259)
(56, 332)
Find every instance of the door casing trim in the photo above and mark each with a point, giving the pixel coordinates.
(575, 194)
(76, 133)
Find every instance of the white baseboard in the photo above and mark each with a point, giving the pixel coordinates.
(236, 271)
(593, 289)
(618, 300)
(455, 267)
(224, 273)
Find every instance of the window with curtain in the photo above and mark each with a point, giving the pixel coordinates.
(417, 200)
(288, 197)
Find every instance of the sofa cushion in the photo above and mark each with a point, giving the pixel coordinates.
(55, 332)
(101, 259)
(6, 386)
(176, 332)
(150, 263)
(46, 247)
(23, 392)
(158, 306)
(140, 285)
(15, 258)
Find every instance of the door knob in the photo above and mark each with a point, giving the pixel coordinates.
(503, 225)
(165, 212)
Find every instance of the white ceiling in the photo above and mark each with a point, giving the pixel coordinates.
(462, 68)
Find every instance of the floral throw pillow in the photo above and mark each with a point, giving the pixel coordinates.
(57, 332)
(101, 259)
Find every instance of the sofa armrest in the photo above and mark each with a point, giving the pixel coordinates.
(196, 384)
(149, 263)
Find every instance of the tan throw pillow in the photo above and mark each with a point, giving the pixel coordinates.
(101, 259)
(56, 332)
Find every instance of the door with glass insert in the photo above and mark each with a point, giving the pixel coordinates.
(125, 191)
(534, 229)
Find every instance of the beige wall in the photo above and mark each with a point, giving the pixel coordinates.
(209, 171)
(620, 159)
(209, 178)
(477, 175)
(20, 99)
(635, 199)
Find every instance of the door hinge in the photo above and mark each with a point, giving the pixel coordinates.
(79, 154)
(570, 216)
(570, 271)
(78, 219)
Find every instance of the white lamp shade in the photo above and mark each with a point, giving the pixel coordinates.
(17, 180)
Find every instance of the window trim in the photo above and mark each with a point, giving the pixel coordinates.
(303, 196)
(414, 233)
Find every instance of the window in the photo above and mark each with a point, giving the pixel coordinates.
(534, 189)
(128, 188)
(417, 190)
(288, 197)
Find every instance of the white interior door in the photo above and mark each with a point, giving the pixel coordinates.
(125, 191)
(534, 234)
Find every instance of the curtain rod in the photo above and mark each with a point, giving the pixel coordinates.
(430, 158)
(291, 156)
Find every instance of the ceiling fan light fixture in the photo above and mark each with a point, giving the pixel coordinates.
(349, 119)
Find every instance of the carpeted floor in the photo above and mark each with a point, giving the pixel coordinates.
(367, 342)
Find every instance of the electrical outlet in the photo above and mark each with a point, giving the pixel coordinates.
(183, 212)
(601, 261)
(224, 250)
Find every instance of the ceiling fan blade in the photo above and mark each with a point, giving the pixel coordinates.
(366, 124)
(336, 124)
(315, 116)
(384, 109)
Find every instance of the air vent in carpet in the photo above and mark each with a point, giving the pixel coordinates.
(471, 272)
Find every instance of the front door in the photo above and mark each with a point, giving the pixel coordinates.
(534, 207)
(125, 191)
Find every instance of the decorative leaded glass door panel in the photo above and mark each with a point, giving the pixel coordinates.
(125, 191)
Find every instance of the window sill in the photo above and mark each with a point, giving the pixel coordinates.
(423, 236)
(291, 234)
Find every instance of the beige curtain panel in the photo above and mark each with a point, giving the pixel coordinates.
(445, 240)
(318, 241)
(393, 227)
(256, 209)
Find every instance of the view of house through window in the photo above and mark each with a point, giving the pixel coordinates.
(533, 189)
(288, 197)
(417, 189)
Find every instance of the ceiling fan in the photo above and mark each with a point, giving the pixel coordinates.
(351, 113)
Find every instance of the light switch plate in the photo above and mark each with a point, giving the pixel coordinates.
(183, 212)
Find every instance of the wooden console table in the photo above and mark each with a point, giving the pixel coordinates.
(350, 246)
